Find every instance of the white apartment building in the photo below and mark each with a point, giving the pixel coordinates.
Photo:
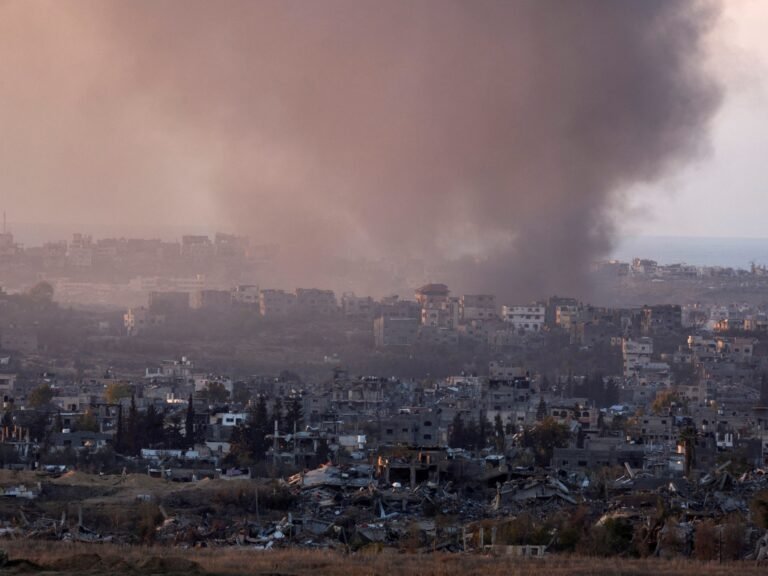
(530, 318)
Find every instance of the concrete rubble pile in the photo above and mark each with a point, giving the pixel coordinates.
(349, 507)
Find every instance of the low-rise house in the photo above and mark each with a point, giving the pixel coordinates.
(598, 453)
(81, 440)
(227, 418)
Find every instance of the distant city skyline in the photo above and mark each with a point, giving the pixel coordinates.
(727, 251)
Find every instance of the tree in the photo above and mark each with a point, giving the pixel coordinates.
(544, 437)
(41, 293)
(248, 442)
(215, 393)
(483, 431)
(260, 414)
(189, 424)
(664, 401)
(471, 435)
(87, 422)
(154, 426)
(173, 433)
(511, 427)
(134, 435)
(277, 414)
(258, 428)
(38, 428)
(457, 435)
(41, 396)
(240, 393)
(116, 391)
(239, 451)
(119, 432)
(323, 452)
(541, 410)
(8, 455)
(7, 422)
(612, 538)
(294, 415)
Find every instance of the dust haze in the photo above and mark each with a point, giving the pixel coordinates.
(485, 144)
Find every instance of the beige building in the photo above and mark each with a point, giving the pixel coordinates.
(136, 320)
(210, 299)
(636, 353)
(314, 301)
(477, 307)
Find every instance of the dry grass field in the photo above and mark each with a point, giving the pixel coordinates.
(64, 559)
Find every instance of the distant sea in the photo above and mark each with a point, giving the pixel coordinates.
(696, 251)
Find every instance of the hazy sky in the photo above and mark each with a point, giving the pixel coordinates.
(725, 193)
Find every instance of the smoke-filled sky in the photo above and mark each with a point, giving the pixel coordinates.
(726, 194)
(500, 142)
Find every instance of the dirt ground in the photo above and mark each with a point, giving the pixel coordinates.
(111, 504)
(64, 559)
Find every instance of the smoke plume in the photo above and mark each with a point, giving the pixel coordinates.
(486, 143)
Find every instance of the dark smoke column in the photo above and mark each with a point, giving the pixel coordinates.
(488, 138)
